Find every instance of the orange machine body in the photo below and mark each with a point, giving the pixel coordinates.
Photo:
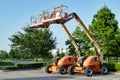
(92, 62)
(66, 61)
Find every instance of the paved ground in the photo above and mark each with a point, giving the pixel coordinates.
(41, 75)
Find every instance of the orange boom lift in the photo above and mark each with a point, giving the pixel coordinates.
(85, 64)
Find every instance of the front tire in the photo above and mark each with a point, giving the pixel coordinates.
(88, 72)
(47, 69)
(62, 70)
(104, 70)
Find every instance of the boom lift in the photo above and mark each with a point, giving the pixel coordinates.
(87, 65)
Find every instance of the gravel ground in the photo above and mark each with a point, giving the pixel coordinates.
(41, 75)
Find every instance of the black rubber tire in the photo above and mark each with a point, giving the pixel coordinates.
(62, 70)
(71, 70)
(104, 70)
(88, 72)
(47, 69)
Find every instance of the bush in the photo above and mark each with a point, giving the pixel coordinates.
(6, 63)
(4, 68)
(19, 66)
(113, 66)
(48, 63)
(24, 66)
(33, 65)
(37, 65)
(117, 67)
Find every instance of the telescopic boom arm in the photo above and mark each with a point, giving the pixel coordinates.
(59, 16)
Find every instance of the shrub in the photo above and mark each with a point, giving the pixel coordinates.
(113, 66)
(6, 63)
(25, 66)
(32, 65)
(117, 67)
(4, 68)
(37, 65)
(19, 66)
(48, 63)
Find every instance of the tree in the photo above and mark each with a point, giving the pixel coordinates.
(3, 55)
(77, 38)
(82, 41)
(12, 54)
(34, 42)
(60, 54)
(104, 28)
(117, 46)
(18, 54)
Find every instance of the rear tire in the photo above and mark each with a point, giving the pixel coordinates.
(71, 70)
(104, 70)
(62, 70)
(47, 69)
(88, 72)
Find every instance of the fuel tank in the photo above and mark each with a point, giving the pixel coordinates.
(67, 61)
(92, 61)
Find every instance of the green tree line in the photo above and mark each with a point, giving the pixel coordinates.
(32, 43)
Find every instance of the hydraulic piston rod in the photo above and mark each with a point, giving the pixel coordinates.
(71, 40)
